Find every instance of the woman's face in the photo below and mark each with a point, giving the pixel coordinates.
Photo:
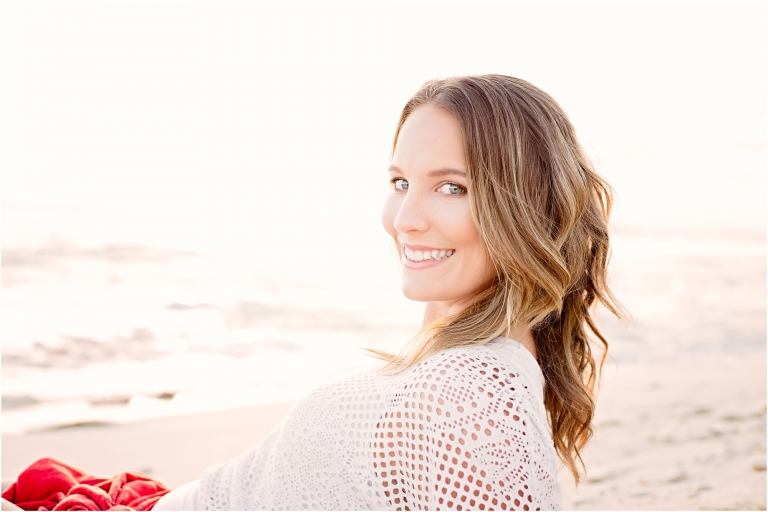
(427, 212)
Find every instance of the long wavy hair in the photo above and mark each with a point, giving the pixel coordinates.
(542, 213)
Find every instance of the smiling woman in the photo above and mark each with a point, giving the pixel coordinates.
(501, 227)
(490, 169)
(429, 210)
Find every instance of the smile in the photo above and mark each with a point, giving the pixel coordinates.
(435, 254)
(425, 257)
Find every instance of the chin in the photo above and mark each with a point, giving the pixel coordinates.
(438, 291)
(426, 293)
(417, 295)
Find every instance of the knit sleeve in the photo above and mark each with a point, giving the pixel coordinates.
(464, 433)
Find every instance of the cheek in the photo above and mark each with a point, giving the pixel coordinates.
(467, 233)
(457, 224)
(461, 229)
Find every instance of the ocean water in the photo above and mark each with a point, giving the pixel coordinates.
(191, 193)
(121, 332)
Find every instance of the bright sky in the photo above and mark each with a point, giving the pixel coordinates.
(264, 127)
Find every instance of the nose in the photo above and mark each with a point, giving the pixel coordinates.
(412, 216)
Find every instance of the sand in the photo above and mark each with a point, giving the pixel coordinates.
(677, 437)
(173, 450)
(680, 437)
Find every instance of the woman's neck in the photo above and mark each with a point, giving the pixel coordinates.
(436, 310)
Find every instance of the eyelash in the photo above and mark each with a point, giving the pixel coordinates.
(393, 181)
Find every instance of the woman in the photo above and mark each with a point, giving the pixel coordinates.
(501, 225)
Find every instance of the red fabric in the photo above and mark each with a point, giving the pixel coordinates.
(48, 484)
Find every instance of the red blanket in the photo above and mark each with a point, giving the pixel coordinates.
(52, 485)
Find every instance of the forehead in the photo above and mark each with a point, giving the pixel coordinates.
(429, 139)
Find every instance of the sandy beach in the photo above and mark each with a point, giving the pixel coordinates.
(680, 437)
(677, 437)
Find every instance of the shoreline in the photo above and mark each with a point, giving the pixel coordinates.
(667, 436)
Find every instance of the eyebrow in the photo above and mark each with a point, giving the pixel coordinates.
(436, 172)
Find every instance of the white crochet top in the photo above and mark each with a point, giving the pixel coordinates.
(463, 429)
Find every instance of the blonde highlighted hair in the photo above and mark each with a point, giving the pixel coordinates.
(542, 212)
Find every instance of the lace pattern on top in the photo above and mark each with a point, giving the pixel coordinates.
(463, 429)
(461, 435)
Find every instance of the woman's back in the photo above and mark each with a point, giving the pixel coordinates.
(465, 428)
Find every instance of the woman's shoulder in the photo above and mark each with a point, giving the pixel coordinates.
(472, 417)
(500, 381)
(502, 366)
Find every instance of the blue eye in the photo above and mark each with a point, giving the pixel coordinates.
(400, 184)
(452, 189)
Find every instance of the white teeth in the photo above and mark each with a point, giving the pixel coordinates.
(426, 255)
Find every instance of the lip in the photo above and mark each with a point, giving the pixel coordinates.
(422, 264)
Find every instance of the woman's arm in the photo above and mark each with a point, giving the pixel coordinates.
(181, 498)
